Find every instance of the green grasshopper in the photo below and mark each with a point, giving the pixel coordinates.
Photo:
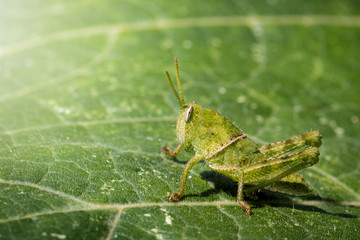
(227, 150)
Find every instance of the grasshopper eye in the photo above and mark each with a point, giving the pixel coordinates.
(188, 113)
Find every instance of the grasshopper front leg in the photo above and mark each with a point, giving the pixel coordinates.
(190, 164)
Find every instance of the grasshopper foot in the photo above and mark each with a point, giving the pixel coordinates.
(246, 207)
(175, 197)
(170, 152)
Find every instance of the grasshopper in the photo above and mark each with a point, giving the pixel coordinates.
(229, 151)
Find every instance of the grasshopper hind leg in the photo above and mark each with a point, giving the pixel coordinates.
(292, 145)
(240, 198)
(281, 171)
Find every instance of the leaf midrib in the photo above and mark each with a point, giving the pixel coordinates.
(87, 206)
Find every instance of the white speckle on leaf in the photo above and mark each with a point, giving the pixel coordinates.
(339, 131)
(159, 111)
(147, 215)
(323, 120)
(168, 218)
(167, 44)
(106, 189)
(258, 53)
(241, 99)
(158, 236)
(62, 110)
(59, 236)
(187, 44)
(257, 29)
(189, 177)
(270, 223)
(222, 90)
(298, 108)
(354, 119)
(259, 118)
(10, 150)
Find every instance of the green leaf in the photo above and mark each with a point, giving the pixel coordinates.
(85, 110)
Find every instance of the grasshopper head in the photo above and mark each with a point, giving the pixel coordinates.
(189, 117)
(189, 113)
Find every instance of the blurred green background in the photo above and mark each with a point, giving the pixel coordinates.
(85, 109)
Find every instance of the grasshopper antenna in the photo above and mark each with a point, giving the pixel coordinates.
(178, 81)
(173, 88)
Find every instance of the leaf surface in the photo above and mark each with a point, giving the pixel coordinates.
(85, 110)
